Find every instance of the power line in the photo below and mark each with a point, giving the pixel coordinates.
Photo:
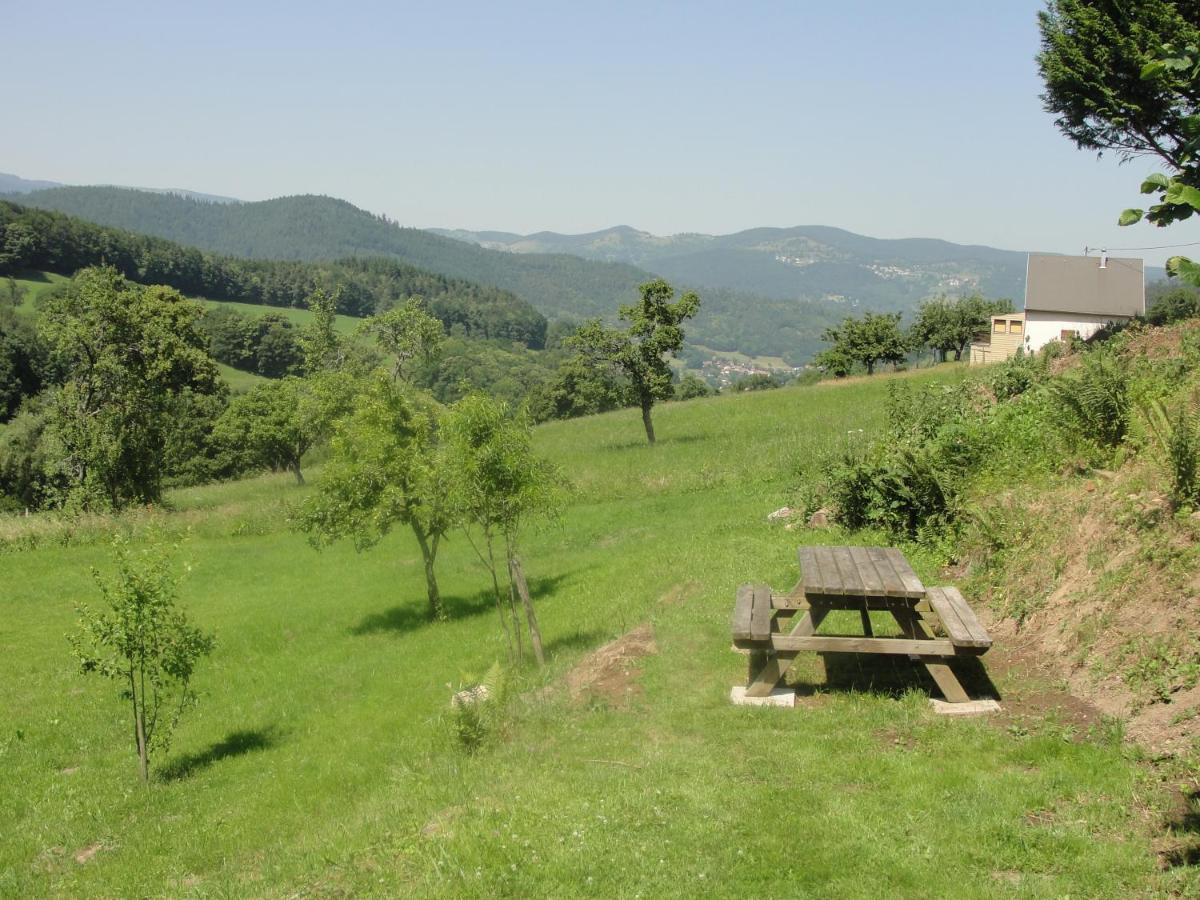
(1128, 249)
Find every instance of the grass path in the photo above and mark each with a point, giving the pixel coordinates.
(321, 760)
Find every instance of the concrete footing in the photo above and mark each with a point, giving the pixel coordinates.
(778, 697)
(970, 708)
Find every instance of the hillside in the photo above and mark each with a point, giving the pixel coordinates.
(815, 262)
(787, 320)
(321, 759)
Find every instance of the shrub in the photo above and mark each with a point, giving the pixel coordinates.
(476, 708)
(1016, 375)
(1095, 401)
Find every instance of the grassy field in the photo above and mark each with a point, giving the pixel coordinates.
(298, 317)
(322, 759)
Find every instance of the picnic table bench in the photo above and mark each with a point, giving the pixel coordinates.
(866, 580)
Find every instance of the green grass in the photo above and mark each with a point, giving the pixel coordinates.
(298, 317)
(35, 284)
(239, 381)
(321, 759)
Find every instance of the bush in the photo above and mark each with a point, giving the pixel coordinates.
(476, 708)
(1017, 374)
(1095, 402)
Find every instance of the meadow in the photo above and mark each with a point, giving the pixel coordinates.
(322, 759)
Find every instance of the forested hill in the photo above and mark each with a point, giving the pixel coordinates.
(44, 240)
(323, 228)
(810, 261)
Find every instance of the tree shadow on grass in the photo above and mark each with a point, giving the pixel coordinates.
(894, 676)
(236, 743)
(575, 641)
(658, 441)
(416, 615)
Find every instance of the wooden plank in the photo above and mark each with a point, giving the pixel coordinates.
(813, 571)
(912, 584)
(898, 646)
(945, 679)
(866, 623)
(955, 629)
(871, 580)
(851, 582)
(760, 619)
(743, 608)
(767, 678)
(978, 634)
(893, 585)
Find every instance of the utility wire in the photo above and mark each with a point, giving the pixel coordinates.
(1127, 249)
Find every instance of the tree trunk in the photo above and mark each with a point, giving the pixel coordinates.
(870, 367)
(517, 574)
(646, 407)
(429, 556)
(512, 607)
(139, 729)
(958, 352)
(295, 467)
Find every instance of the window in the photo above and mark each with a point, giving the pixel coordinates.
(1067, 333)
(1015, 326)
(998, 326)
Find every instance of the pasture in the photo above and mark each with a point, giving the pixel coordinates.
(322, 761)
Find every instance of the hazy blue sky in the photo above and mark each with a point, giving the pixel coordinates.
(892, 119)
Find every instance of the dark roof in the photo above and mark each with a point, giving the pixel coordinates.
(1078, 284)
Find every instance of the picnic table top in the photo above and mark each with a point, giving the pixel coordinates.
(858, 572)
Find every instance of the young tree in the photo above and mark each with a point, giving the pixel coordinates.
(691, 386)
(276, 423)
(13, 294)
(127, 352)
(144, 643)
(640, 351)
(874, 338)
(383, 471)
(322, 346)
(497, 483)
(1125, 77)
(408, 332)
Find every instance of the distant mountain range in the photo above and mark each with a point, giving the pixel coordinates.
(765, 291)
(15, 184)
(814, 262)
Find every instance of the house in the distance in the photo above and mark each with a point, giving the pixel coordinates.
(1065, 296)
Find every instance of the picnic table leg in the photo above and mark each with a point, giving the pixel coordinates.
(941, 673)
(774, 669)
(866, 622)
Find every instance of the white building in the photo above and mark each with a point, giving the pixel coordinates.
(1066, 296)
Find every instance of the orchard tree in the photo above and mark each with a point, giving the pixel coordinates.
(276, 423)
(321, 345)
(145, 643)
(640, 351)
(127, 353)
(1125, 77)
(948, 325)
(874, 338)
(497, 484)
(383, 472)
(408, 333)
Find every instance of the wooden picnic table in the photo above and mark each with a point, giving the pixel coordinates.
(863, 579)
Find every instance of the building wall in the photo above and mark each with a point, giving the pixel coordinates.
(1043, 327)
(1001, 344)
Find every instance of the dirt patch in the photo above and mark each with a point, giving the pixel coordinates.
(85, 854)
(611, 672)
(680, 593)
(439, 824)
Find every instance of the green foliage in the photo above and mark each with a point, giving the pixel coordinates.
(127, 352)
(640, 352)
(948, 325)
(26, 465)
(692, 386)
(867, 341)
(579, 388)
(497, 484)
(1094, 400)
(265, 344)
(477, 708)
(144, 643)
(1178, 436)
(1175, 305)
(24, 362)
(408, 334)
(759, 381)
(63, 244)
(1017, 374)
(383, 471)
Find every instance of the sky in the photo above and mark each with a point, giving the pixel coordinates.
(915, 119)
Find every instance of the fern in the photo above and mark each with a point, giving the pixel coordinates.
(1097, 401)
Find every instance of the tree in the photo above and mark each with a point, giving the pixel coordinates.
(276, 423)
(320, 343)
(691, 386)
(874, 338)
(408, 333)
(383, 471)
(640, 352)
(144, 643)
(1125, 77)
(579, 388)
(497, 483)
(1173, 306)
(948, 325)
(127, 351)
(13, 293)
